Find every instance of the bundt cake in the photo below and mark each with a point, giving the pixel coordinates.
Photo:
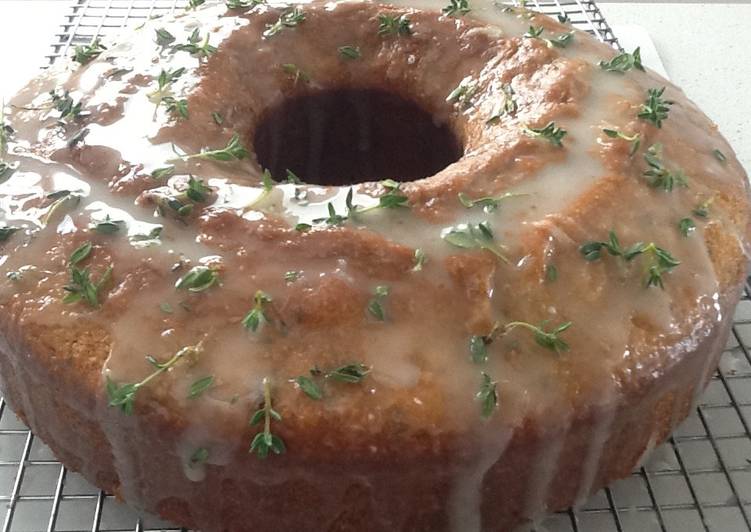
(361, 266)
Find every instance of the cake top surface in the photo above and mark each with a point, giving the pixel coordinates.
(560, 228)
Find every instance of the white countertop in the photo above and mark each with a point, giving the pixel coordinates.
(704, 48)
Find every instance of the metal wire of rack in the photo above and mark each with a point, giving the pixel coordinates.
(699, 480)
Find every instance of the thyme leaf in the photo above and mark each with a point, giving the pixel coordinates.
(198, 279)
(193, 47)
(488, 203)
(487, 395)
(200, 386)
(350, 52)
(507, 106)
(81, 287)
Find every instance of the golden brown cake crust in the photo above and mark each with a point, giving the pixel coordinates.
(404, 444)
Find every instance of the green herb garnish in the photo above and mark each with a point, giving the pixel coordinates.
(420, 260)
(488, 396)
(488, 203)
(288, 19)
(474, 236)
(65, 105)
(108, 226)
(265, 441)
(161, 173)
(390, 25)
(623, 62)
(232, 151)
(534, 32)
(199, 386)
(163, 37)
(193, 4)
(81, 287)
(547, 339)
(702, 209)
(349, 373)
(350, 52)
(291, 276)
(551, 273)
(85, 53)
(123, 396)
(507, 106)
(658, 176)
(463, 93)
(550, 132)
(659, 260)
(392, 198)
(686, 226)
(456, 8)
(719, 155)
(199, 457)
(243, 4)
(194, 48)
(634, 139)
(375, 305)
(295, 73)
(6, 231)
(257, 315)
(198, 279)
(655, 109)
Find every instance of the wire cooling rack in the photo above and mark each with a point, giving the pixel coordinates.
(700, 480)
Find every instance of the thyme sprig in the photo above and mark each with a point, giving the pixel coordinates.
(550, 132)
(391, 25)
(85, 53)
(311, 386)
(474, 236)
(392, 198)
(658, 175)
(478, 345)
(81, 287)
(456, 8)
(163, 93)
(488, 203)
(658, 260)
(258, 314)
(548, 339)
(108, 226)
(686, 226)
(123, 396)
(193, 47)
(655, 109)
(623, 62)
(634, 140)
(487, 395)
(234, 150)
(534, 32)
(265, 441)
(243, 4)
(288, 19)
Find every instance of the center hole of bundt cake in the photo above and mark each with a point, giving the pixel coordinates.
(345, 136)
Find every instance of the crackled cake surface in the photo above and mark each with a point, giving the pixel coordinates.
(579, 234)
